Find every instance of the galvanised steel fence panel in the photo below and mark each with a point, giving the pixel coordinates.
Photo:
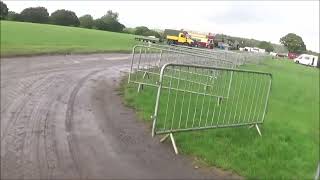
(200, 89)
(238, 58)
(193, 97)
(146, 62)
(219, 54)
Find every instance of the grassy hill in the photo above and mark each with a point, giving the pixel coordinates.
(20, 38)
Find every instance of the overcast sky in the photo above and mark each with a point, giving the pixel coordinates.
(262, 20)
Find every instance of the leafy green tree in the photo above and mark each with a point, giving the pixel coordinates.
(35, 15)
(152, 33)
(99, 24)
(293, 42)
(141, 30)
(109, 22)
(113, 15)
(129, 30)
(13, 16)
(144, 31)
(4, 10)
(266, 45)
(86, 21)
(65, 18)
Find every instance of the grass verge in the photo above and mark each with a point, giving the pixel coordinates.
(289, 146)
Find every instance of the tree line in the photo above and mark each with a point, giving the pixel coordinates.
(63, 17)
(289, 43)
(110, 22)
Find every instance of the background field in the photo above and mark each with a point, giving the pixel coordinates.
(19, 38)
(289, 146)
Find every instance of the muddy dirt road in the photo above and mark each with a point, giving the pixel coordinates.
(62, 118)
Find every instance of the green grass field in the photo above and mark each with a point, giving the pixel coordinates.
(289, 146)
(19, 38)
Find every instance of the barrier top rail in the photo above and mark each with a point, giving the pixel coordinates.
(181, 52)
(236, 57)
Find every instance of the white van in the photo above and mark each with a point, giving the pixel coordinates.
(307, 59)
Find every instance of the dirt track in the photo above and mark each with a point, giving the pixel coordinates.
(62, 118)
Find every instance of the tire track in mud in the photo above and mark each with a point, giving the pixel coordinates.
(21, 86)
(32, 89)
(69, 116)
(14, 141)
(43, 145)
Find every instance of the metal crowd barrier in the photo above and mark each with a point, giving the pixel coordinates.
(146, 62)
(200, 88)
(236, 58)
(193, 97)
(220, 54)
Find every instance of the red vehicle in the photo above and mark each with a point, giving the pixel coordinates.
(210, 42)
(292, 55)
(203, 41)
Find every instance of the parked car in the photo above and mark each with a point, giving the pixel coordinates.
(283, 55)
(307, 59)
(273, 54)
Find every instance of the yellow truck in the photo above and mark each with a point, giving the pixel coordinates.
(178, 37)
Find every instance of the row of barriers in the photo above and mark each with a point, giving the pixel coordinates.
(200, 89)
(147, 61)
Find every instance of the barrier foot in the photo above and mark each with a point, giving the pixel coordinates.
(164, 137)
(257, 127)
(174, 144)
(140, 87)
(172, 141)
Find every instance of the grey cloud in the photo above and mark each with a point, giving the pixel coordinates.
(247, 15)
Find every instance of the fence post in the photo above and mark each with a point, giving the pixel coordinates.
(132, 58)
(316, 177)
(230, 84)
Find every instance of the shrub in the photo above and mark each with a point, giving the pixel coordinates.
(109, 22)
(64, 17)
(86, 21)
(266, 45)
(141, 30)
(35, 15)
(144, 31)
(129, 30)
(13, 16)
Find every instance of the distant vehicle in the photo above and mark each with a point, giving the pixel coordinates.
(178, 37)
(273, 54)
(307, 59)
(203, 40)
(254, 50)
(292, 55)
(283, 55)
(151, 39)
